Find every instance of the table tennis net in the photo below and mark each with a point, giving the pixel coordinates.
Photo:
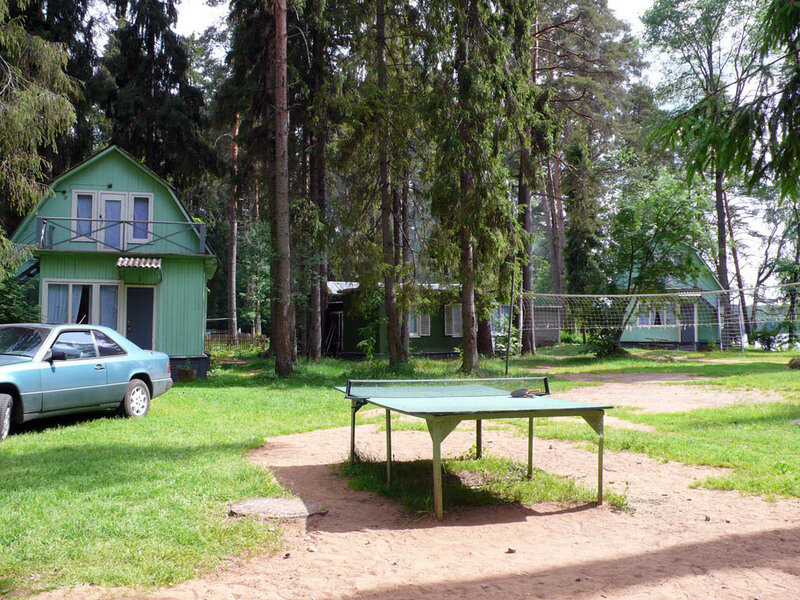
(446, 388)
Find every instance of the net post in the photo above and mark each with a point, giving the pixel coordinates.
(478, 438)
(546, 386)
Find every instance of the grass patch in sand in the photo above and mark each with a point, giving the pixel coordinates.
(468, 482)
(760, 443)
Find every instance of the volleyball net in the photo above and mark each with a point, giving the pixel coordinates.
(765, 316)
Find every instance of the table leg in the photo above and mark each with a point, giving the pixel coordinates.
(439, 430)
(388, 447)
(600, 462)
(478, 438)
(438, 509)
(353, 410)
(530, 447)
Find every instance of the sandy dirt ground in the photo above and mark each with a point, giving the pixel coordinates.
(643, 391)
(677, 542)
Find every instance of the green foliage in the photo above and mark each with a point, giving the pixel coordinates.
(36, 110)
(584, 230)
(654, 228)
(768, 338)
(605, 342)
(707, 45)
(151, 108)
(501, 341)
(16, 305)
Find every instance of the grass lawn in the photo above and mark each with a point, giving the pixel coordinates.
(142, 502)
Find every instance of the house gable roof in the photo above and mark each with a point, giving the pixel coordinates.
(89, 162)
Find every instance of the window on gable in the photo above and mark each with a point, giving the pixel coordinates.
(83, 211)
(141, 206)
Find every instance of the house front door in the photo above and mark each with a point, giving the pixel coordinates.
(140, 302)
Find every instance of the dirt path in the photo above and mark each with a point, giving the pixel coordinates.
(678, 543)
(649, 396)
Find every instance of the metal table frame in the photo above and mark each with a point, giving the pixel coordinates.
(441, 425)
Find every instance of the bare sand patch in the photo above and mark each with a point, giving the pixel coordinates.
(653, 398)
(678, 542)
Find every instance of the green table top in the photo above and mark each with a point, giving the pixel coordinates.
(494, 401)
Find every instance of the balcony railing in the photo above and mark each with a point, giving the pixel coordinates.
(120, 235)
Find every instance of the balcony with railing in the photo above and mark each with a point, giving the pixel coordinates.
(120, 236)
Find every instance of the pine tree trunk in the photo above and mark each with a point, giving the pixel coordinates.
(394, 339)
(318, 195)
(233, 243)
(282, 339)
(406, 261)
(469, 358)
(722, 245)
(524, 201)
(739, 278)
(560, 230)
(469, 346)
(485, 345)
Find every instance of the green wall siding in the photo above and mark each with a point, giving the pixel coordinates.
(180, 299)
(181, 307)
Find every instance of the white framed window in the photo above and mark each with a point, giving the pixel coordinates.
(89, 208)
(140, 213)
(82, 302)
(84, 212)
(663, 315)
(413, 325)
(419, 325)
(452, 320)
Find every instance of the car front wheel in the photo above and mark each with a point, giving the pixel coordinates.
(5, 416)
(137, 399)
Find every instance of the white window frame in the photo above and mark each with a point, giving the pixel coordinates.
(423, 322)
(450, 318)
(74, 215)
(412, 318)
(95, 283)
(129, 212)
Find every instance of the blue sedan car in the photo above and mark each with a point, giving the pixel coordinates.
(51, 370)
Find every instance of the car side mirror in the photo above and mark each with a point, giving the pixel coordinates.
(54, 355)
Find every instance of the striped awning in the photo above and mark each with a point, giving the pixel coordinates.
(134, 262)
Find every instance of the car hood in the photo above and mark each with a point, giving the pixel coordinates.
(6, 359)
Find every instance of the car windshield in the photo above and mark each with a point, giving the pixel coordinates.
(20, 341)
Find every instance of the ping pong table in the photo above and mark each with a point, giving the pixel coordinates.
(443, 404)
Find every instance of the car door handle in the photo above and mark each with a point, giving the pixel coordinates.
(99, 367)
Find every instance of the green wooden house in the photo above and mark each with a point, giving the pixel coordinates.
(690, 319)
(112, 245)
(434, 331)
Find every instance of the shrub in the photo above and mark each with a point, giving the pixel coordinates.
(15, 303)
